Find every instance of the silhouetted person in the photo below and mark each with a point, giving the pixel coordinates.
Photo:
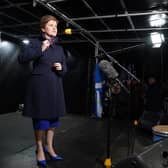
(153, 103)
(153, 96)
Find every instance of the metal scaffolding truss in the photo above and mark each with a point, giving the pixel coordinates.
(119, 26)
(88, 34)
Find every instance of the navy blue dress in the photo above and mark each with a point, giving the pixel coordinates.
(44, 98)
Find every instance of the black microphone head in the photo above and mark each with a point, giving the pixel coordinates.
(108, 70)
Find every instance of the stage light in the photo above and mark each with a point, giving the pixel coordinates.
(157, 20)
(26, 41)
(68, 31)
(5, 44)
(6, 47)
(157, 39)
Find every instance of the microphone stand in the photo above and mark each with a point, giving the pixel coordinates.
(135, 122)
(110, 112)
(108, 161)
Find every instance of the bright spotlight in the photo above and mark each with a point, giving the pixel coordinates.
(157, 39)
(68, 31)
(157, 20)
(5, 44)
(26, 41)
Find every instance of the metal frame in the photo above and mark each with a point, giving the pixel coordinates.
(119, 15)
(128, 15)
(90, 35)
(83, 31)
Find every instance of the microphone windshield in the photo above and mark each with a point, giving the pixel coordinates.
(108, 70)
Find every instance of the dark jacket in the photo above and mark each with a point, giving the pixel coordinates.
(44, 97)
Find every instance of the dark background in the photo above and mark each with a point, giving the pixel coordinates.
(124, 38)
(79, 80)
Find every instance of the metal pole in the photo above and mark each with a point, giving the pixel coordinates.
(95, 14)
(96, 50)
(161, 64)
(128, 30)
(85, 33)
(119, 15)
(126, 12)
(124, 49)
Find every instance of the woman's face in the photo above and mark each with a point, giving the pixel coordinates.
(50, 28)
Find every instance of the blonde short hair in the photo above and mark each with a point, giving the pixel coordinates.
(45, 19)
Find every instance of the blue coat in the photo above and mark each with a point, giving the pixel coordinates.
(44, 98)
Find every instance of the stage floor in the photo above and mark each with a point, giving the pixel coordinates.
(81, 140)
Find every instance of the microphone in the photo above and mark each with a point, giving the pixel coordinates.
(109, 71)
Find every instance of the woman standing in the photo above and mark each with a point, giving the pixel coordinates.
(44, 99)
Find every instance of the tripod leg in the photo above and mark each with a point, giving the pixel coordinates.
(108, 161)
